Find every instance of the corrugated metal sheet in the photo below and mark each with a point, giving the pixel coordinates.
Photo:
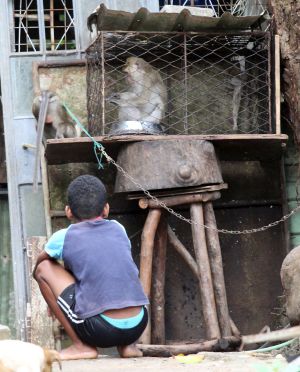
(114, 20)
(6, 273)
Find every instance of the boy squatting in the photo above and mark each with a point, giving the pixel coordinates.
(97, 296)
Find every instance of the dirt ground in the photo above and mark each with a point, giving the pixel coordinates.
(212, 362)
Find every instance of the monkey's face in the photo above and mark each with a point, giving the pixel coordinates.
(134, 69)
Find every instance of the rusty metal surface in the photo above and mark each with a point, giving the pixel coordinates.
(167, 164)
(115, 20)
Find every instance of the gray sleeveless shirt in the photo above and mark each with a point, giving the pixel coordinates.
(98, 253)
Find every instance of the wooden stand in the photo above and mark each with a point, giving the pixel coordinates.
(207, 266)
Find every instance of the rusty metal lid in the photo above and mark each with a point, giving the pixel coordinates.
(167, 164)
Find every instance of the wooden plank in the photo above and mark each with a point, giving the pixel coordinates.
(41, 326)
(205, 279)
(229, 147)
(46, 194)
(179, 191)
(277, 84)
(223, 344)
(279, 335)
(179, 200)
(158, 283)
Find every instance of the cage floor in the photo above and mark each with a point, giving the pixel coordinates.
(261, 147)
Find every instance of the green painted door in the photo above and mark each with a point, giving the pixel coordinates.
(7, 312)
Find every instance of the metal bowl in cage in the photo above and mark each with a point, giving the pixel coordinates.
(135, 127)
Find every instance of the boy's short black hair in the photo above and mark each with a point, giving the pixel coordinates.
(86, 197)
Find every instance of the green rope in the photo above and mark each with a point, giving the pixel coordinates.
(98, 148)
(274, 347)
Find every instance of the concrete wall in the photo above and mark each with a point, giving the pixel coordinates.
(291, 162)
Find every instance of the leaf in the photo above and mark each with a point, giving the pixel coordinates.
(190, 358)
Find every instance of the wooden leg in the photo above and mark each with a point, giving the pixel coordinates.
(158, 283)
(216, 265)
(148, 235)
(234, 329)
(205, 279)
(184, 253)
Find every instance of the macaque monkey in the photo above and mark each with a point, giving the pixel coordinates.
(146, 98)
(58, 122)
(48, 109)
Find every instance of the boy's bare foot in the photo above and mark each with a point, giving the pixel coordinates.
(74, 352)
(129, 351)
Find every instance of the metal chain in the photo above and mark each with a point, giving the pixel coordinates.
(99, 147)
(188, 220)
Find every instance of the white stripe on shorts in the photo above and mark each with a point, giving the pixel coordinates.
(68, 311)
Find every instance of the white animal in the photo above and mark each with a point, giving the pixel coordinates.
(19, 356)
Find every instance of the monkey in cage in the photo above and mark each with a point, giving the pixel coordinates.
(146, 97)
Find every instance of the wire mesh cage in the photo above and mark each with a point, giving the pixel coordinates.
(185, 83)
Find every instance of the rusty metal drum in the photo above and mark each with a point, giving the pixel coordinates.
(167, 164)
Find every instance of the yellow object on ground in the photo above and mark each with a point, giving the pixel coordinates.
(190, 358)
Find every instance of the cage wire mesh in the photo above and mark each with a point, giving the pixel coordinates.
(214, 84)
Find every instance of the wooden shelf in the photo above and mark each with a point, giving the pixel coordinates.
(262, 147)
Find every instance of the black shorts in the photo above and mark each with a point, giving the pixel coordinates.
(95, 331)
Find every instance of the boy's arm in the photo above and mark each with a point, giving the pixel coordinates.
(53, 249)
(41, 257)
